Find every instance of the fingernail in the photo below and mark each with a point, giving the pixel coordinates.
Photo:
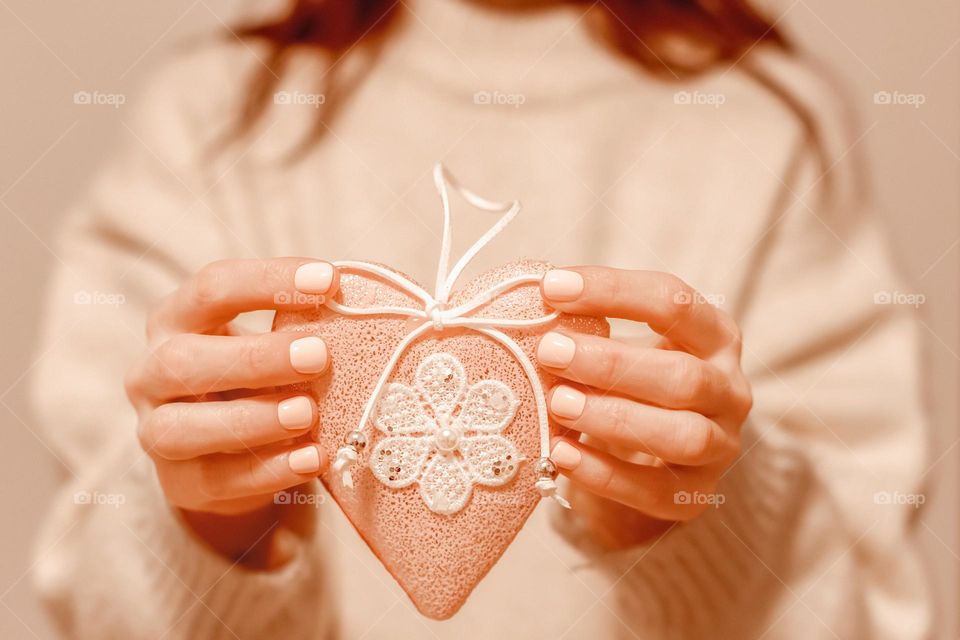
(565, 455)
(308, 355)
(295, 413)
(567, 402)
(562, 285)
(313, 277)
(306, 460)
(556, 350)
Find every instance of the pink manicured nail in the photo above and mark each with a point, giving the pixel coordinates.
(308, 355)
(306, 460)
(567, 402)
(313, 277)
(295, 413)
(556, 350)
(562, 285)
(565, 455)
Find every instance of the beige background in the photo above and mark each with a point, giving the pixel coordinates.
(49, 147)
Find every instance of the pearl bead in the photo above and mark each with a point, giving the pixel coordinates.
(447, 439)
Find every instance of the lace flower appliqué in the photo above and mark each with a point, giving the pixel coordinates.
(444, 435)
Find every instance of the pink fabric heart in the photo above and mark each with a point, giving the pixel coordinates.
(447, 477)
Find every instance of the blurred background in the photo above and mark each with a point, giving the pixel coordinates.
(900, 62)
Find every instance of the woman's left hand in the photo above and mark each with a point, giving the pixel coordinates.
(662, 422)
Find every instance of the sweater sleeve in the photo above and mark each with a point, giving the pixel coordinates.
(112, 559)
(811, 535)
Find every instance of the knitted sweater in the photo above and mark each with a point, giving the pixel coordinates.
(713, 179)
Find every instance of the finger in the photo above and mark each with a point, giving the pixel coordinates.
(667, 304)
(209, 479)
(223, 289)
(184, 430)
(191, 365)
(672, 379)
(306, 494)
(678, 437)
(648, 489)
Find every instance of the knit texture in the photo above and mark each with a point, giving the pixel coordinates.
(611, 170)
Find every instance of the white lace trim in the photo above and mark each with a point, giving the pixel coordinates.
(444, 435)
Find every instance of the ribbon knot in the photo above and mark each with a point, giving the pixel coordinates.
(346, 456)
(437, 315)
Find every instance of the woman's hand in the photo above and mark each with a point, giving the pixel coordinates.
(222, 439)
(662, 422)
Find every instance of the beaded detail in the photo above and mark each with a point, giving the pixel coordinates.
(444, 435)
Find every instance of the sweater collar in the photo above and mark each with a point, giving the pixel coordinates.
(542, 53)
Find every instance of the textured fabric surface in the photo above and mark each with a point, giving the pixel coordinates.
(611, 171)
(437, 558)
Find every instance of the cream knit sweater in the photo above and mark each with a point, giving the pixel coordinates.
(613, 168)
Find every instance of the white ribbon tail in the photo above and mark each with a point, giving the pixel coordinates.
(346, 457)
(548, 489)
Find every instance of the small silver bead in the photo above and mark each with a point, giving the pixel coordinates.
(356, 440)
(546, 468)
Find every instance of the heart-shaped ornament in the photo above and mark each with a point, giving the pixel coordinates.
(437, 411)
(448, 474)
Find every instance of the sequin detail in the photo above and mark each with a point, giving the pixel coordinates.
(444, 435)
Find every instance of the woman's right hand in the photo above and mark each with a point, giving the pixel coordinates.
(223, 440)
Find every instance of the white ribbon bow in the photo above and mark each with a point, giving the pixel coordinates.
(438, 316)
